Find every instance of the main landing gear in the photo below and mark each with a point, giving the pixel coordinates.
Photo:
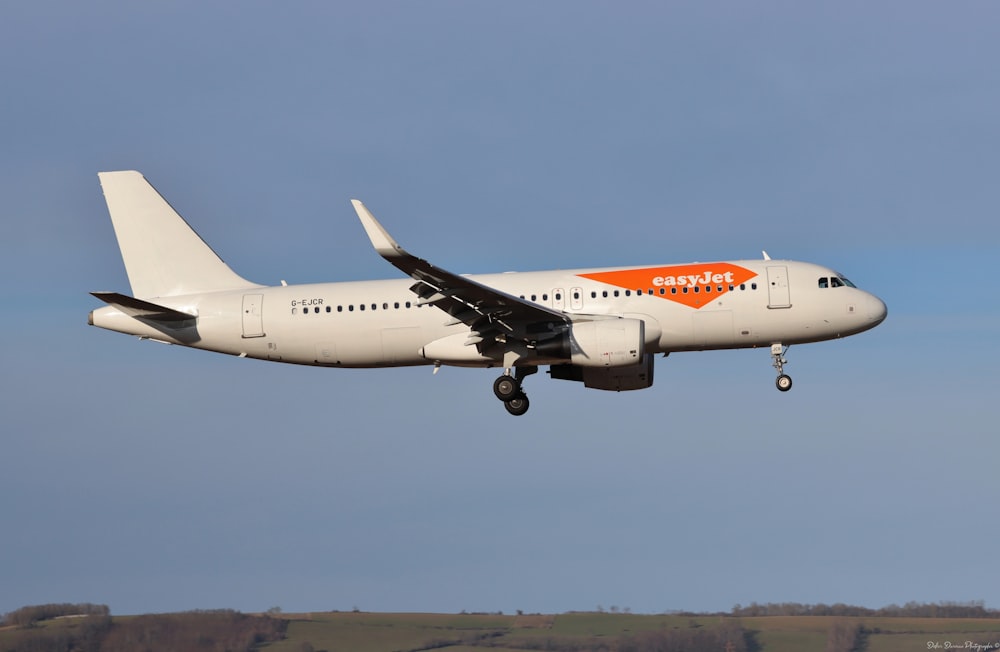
(783, 382)
(508, 389)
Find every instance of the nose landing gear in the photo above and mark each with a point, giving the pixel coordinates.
(783, 382)
(507, 388)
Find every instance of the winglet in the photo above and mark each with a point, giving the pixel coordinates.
(381, 240)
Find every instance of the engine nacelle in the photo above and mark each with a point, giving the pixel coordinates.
(615, 379)
(606, 342)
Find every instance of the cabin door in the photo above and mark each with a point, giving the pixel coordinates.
(777, 287)
(253, 320)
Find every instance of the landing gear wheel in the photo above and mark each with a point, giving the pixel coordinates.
(783, 382)
(517, 405)
(506, 388)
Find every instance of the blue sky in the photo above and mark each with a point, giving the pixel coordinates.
(490, 138)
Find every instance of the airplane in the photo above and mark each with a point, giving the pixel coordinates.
(602, 326)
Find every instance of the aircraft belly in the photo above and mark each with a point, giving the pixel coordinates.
(375, 347)
(401, 345)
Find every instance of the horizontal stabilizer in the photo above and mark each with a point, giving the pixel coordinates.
(144, 309)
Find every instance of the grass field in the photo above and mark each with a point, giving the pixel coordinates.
(363, 632)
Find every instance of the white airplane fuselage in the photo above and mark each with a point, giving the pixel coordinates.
(380, 324)
(599, 326)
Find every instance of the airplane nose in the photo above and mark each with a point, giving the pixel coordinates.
(877, 310)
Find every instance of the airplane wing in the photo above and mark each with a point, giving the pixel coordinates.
(492, 315)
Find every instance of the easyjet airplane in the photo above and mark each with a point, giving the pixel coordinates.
(601, 327)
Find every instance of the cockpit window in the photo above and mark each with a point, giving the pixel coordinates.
(835, 282)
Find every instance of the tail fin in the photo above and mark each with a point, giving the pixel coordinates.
(162, 253)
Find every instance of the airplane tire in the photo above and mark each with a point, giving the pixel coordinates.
(506, 388)
(783, 383)
(517, 405)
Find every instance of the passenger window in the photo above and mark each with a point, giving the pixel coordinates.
(361, 307)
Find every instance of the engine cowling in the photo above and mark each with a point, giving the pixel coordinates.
(615, 379)
(599, 343)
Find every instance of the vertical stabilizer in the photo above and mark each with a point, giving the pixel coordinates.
(163, 255)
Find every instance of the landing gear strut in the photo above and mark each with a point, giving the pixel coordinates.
(783, 382)
(507, 388)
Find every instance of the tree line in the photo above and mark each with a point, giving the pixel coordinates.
(970, 609)
(197, 631)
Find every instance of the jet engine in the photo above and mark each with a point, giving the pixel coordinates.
(598, 343)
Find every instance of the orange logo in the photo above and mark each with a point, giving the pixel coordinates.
(692, 285)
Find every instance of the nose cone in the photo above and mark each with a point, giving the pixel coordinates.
(876, 310)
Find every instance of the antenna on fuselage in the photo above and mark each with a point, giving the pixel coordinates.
(766, 257)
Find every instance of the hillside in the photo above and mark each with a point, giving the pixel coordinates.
(571, 632)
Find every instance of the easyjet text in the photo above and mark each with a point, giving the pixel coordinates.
(693, 280)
